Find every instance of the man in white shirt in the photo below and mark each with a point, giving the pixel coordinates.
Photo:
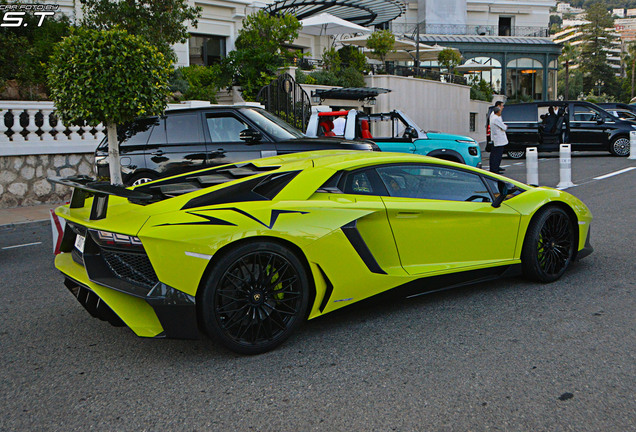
(339, 126)
(499, 139)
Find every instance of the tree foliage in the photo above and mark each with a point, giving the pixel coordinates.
(110, 77)
(161, 22)
(569, 54)
(597, 41)
(381, 42)
(198, 82)
(25, 51)
(260, 52)
(450, 59)
(351, 56)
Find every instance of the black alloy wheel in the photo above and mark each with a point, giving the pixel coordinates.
(549, 245)
(255, 297)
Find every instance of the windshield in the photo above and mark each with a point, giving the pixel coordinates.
(272, 125)
(421, 132)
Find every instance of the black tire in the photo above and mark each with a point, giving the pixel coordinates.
(619, 146)
(516, 154)
(549, 245)
(141, 178)
(255, 297)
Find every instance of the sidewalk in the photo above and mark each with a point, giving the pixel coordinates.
(25, 214)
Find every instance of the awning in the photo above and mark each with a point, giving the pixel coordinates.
(327, 24)
(472, 66)
(362, 12)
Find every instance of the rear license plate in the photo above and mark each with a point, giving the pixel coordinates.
(79, 243)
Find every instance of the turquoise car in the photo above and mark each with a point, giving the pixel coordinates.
(395, 132)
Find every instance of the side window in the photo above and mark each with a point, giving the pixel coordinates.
(225, 128)
(520, 113)
(433, 182)
(583, 113)
(158, 135)
(360, 183)
(183, 129)
(136, 133)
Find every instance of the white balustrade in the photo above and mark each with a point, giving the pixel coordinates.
(16, 136)
(3, 127)
(46, 125)
(58, 139)
(31, 126)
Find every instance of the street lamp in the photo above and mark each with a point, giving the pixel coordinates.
(315, 98)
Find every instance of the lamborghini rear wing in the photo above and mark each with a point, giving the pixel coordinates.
(84, 186)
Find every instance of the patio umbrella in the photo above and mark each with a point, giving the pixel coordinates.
(327, 24)
(473, 66)
(400, 43)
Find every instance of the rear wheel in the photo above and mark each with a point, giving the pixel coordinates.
(549, 245)
(516, 154)
(619, 147)
(142, 178)
(255, 297)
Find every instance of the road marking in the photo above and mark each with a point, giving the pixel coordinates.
(504, 166)
(22, 245)
(518, 163)
(612, 174)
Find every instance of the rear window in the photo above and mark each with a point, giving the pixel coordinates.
(184, 129)
(135, 133)
(519, 113)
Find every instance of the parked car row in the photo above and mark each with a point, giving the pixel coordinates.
(184, 140)
(396, 132)
(584, 125)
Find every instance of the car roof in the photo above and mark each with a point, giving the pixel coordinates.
(174, 110)
(344, 159)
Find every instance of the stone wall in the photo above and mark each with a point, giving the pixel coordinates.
(24, 179)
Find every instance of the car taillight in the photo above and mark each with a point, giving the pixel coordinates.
(488, 130)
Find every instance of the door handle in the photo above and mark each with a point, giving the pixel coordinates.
(408, 214)
(158, 153)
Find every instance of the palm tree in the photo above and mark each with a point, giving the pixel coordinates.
(568, 55)
(630, 59)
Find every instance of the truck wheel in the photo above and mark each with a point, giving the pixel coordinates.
(516, 154)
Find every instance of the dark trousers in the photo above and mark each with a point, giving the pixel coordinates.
(495, 158)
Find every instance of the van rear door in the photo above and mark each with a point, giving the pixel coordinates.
(522, 125)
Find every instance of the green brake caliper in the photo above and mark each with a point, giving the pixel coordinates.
(278, 287)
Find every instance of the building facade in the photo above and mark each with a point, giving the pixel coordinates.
(508, 36)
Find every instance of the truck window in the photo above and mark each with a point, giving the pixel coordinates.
(519, 113)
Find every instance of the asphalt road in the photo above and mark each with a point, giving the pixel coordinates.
(508, 355)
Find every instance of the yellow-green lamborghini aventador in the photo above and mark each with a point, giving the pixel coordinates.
(244, 253)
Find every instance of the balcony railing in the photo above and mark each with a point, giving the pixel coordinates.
(410, 29)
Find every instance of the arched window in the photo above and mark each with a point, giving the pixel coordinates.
(524, 79)
(492, 76)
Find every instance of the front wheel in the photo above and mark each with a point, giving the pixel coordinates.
(549, 245)
(255, 297)
(516, 154)
(620, 147)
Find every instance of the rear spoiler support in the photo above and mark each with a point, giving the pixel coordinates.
(84, 186)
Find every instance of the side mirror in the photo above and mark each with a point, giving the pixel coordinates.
(409, 132)
(250, 136)
(600, 120)
(503, 193)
